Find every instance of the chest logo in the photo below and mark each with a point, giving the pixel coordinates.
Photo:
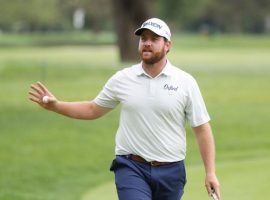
(170, 87)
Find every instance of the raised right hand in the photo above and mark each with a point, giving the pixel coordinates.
(37, 92)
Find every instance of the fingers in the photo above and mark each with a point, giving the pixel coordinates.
(214, 194)
(34, 99)
(217, 192)
(42, 87)
(209, 190)
(212, 187)
(37, 92)
(32, 94)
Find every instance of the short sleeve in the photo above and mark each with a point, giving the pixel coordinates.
(108, 97)
(196, 112)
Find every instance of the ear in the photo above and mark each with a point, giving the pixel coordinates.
(168, 45)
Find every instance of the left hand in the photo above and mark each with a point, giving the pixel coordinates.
(212, 184)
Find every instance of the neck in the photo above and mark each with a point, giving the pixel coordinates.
(154, 69)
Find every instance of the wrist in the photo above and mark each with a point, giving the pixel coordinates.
(210, 169)
(211, 173)
(54, 105)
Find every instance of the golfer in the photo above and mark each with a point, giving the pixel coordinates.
(156, 100)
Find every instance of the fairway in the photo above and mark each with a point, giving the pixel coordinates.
(232, 182)
(47, 156)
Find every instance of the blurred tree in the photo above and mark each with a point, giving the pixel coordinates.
(220, 15)
(216, 15)
(237, 15)
(29, 15)
(181, 13)
(128, 16)
(98, 12)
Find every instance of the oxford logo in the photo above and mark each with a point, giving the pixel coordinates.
(170, 87)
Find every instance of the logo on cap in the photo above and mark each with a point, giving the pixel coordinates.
(156, 25)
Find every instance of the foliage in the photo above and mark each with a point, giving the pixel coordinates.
(32, 15)
(29, 15)
(193, 15)
(216, 15)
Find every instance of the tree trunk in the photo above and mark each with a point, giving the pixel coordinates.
(129, 15)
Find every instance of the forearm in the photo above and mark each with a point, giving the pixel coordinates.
(77, 110)
(206, 144)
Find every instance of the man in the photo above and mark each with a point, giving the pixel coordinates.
(157, 98)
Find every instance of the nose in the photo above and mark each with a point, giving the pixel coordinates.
(147, 43)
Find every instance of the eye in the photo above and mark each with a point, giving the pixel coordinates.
(143, 38)
(155, 38)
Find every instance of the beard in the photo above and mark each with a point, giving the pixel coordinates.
(154, 57)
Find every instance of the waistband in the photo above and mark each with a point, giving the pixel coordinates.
(142, 160)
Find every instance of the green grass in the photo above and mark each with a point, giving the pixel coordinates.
(236, 184)
(47, 156)
(56, 38)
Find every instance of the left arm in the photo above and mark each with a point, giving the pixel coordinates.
(206, 144)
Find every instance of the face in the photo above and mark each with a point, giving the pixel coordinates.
(152, 47)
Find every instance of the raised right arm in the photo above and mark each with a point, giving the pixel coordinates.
(78, 110)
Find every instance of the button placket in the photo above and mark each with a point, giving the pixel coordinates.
(152, 87)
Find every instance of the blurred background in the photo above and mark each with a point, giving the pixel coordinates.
(74, 46)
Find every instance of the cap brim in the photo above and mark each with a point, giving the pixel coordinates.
(139, 31)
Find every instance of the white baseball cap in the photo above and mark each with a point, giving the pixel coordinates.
(157, 26)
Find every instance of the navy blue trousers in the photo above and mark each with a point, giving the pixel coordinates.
(141, 181)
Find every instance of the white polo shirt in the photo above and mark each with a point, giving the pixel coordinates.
(154, 111)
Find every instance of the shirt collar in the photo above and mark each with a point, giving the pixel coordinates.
(167, 70)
